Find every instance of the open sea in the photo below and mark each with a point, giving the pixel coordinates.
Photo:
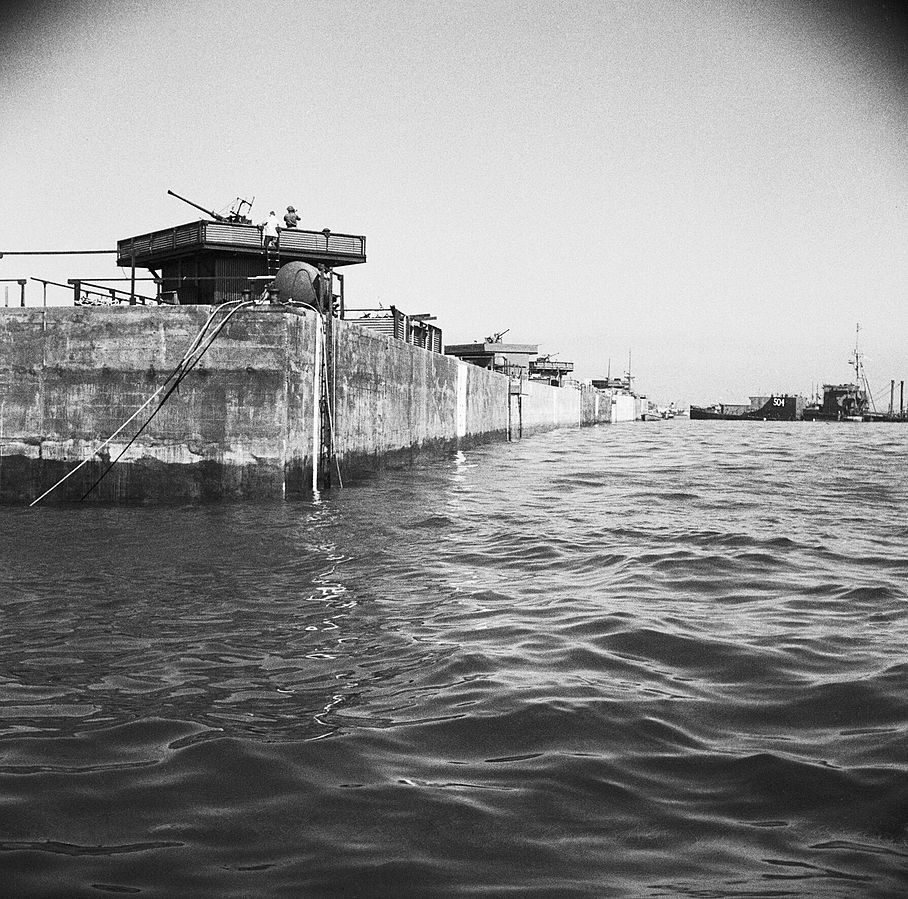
(648, 660)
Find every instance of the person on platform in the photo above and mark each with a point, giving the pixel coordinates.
(291, 219)
(269, 229)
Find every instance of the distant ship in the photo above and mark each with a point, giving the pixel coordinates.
(778, 407)
(842, 402)
(852, 402)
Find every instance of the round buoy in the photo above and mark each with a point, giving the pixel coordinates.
(297, 282)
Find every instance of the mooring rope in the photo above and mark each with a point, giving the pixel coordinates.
(186, 368)
(190, 359)
(192, 348)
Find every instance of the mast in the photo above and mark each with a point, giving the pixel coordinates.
(857, 362)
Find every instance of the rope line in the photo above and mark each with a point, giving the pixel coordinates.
(195, 343)
(328, 406)
(186, 368)
(190, 359)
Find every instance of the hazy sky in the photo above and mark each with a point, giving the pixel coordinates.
(719, 187)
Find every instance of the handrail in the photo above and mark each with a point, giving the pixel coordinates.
(219, 233)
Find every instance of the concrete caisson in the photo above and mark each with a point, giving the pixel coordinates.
(241, 423)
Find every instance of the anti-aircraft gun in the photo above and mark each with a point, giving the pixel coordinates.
(235, 216)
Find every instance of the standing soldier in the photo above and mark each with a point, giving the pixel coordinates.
(291, 219)
(269, 229)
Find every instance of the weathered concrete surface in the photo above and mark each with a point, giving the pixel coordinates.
(396, 400)
(625, 407)
(69, 377)
(298, 401)
(241, 423)
(595, 406)
(545, 407)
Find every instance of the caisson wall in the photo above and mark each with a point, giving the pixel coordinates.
(241, 423)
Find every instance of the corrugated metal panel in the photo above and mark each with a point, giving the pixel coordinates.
(134, 246)
(381, 325)
(235, 235)
(188, 235)
(316, 246)
(160, 241)
(306, 241)
(347, 244)
(233, 272)
(322, 244)
(396, 324)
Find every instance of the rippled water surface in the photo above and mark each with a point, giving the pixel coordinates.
(662, 659)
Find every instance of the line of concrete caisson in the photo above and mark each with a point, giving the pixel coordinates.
(246, 420)
(294, 392)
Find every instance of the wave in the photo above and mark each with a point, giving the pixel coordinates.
(588, 664)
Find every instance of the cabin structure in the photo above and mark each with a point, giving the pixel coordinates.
(611, 383)
(413, 329)
(841, 402)
(509, 358)
(551, 371)
(213, 262)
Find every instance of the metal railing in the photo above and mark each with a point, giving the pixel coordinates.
(6, 282)
(346, 247)
(394, 323)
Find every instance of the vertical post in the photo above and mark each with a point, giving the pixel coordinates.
(132, 280)
(45, 293)
(6, 294)
(22, 288)
(335, 328)
(901, 397)
(340, 279)
(77, 290)
(328, 371)
(891, 397)
(316, 405)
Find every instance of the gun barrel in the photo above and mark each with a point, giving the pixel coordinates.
(214, 215)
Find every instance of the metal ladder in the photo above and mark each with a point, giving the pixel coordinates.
(272, 258)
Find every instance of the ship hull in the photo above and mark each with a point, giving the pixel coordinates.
(776, 408)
